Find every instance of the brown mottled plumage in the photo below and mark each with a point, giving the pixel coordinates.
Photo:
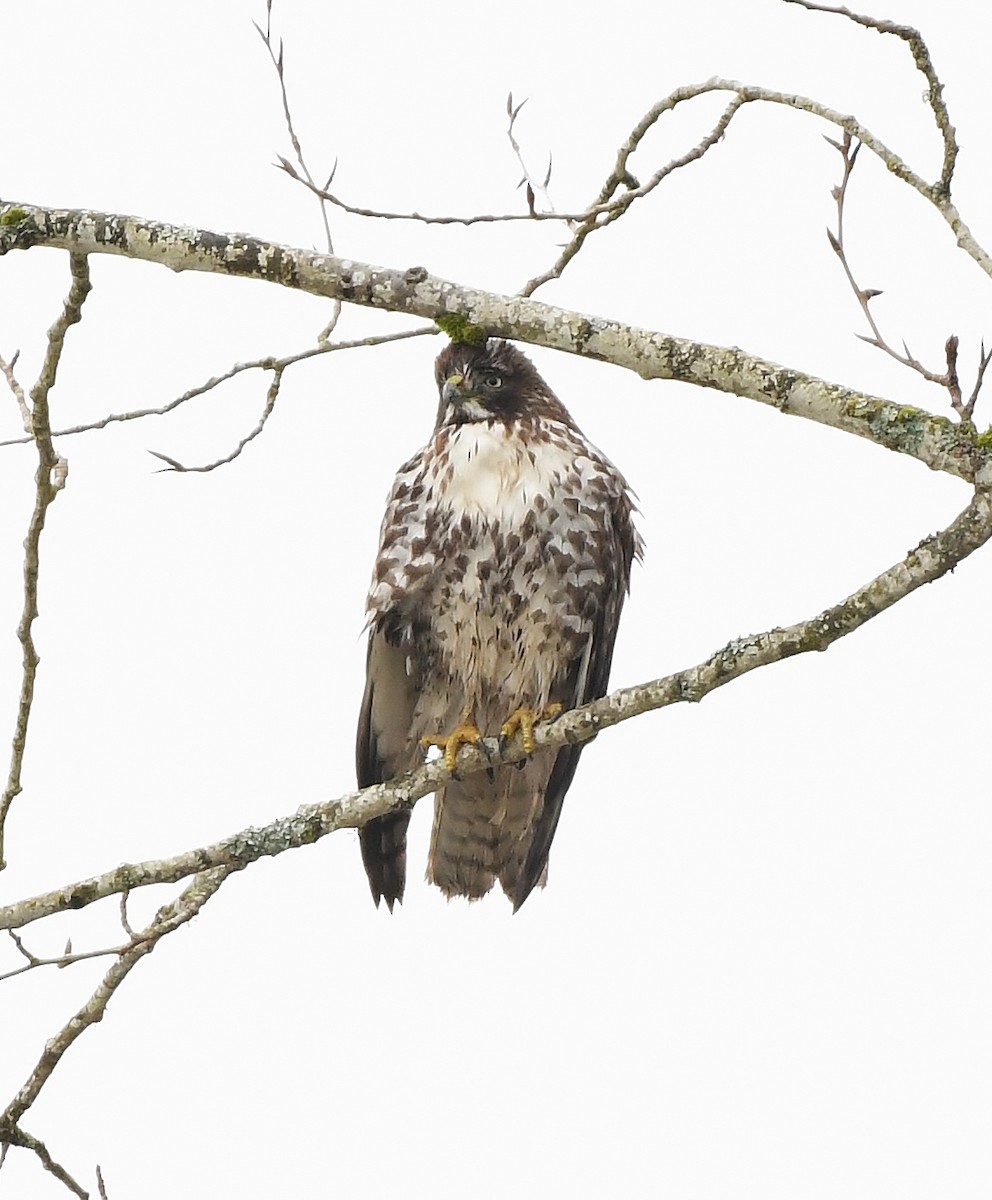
(503, 564)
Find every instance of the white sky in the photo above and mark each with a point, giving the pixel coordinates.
(761, 964)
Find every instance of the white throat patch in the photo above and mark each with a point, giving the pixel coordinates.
(494, 476)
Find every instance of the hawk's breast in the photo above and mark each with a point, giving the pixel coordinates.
(507, 615)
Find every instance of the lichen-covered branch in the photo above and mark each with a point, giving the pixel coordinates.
(939, 443)
(50, 478)
(934, 557)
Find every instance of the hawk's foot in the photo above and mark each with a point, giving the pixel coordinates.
(466, 733)
(524, 719)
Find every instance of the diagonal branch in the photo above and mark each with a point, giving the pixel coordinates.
(931, 559)
(50, 478)
(14, 1135)
(168, 918)
(937, 442)
(924, 63)
(268, 363)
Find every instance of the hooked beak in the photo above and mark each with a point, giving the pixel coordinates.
(452, 392)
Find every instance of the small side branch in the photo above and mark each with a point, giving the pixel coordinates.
(606, 210)
(33, 961)
(168, 918)
(848, 149)
(14, 1135)
(921, 56)
(257, 364)
(270, 403)
(50, 478)
(278, 60)
(534, 188)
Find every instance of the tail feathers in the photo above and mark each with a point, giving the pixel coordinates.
(383, 843)
(483, 831)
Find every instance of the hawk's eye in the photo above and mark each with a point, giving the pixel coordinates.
(493, 381)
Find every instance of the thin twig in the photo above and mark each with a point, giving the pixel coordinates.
(279, 63)
(848, 149)
(984, 357)
(12, 1134)
(171, 916)
(259, 364)
(125, 923)
(50, 478)
(534, 188)
(379, 214)
(270, 403)
(8, 372)
(606, 210)
(924, 63)
(61, 960)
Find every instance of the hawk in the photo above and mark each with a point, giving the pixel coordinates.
(503, 564)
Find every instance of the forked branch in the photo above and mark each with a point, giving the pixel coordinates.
(948, 378)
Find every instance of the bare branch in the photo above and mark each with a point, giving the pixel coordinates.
(983, 362)
(125, 923)
(171, 916)
(270, 403)
(258, 364)
(279, 63)
(931, 559)
(14, 1135)
(921, 56)
(534, 189)
(50, 478)
(951, 377)
(848, 150)
(62, 960)
(606, 211)
(18, 392)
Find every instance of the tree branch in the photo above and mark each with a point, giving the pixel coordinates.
(14, 1135)
(941, 444)
(169, 917)
(268, 363)
(924, 63)
(49, 478)
(931, 559)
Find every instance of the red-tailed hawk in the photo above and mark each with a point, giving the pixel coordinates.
(503, 564)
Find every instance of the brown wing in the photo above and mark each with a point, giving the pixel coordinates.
(586, 679)
(384, 749)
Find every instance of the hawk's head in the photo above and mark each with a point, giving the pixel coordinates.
(492, 382)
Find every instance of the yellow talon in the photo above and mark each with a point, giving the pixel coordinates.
(524, 719)
(466, 733)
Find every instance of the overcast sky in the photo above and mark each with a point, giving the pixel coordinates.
(761, 965)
